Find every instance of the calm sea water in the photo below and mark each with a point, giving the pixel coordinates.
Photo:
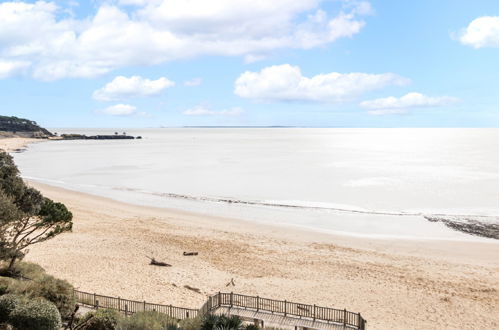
(374, 182)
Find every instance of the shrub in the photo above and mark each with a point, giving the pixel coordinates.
(147, 321)
(211, 322)
(41, 285)
(29, 270)
(36, 314)
(251, 327)
(55, 290)
(5, 284)
(191, 324)
(26, 270)
(103, 319)
(5, 326)
(8, 303)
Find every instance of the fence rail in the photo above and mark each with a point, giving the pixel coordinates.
(287, 308)
(132, 306)
(282, 307)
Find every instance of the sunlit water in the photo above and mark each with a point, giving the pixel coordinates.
(374, 182)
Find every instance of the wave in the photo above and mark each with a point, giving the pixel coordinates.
(472, 224)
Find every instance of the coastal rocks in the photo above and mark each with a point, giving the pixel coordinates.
(468, 225)
(97, 137)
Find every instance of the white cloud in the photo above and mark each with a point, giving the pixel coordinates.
(122, 87)
(193, 82)
(286, 83)
(119, 110)
(393, 105)
(203, 111)
(9, 68)
(482, 32)
(56, 45)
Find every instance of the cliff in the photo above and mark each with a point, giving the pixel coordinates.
(14, 126)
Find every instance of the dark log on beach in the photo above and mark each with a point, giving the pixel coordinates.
(231, 282)
(190, 253)
(192, 289)
(154, 262)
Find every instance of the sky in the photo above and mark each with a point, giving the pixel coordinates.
(313, 63)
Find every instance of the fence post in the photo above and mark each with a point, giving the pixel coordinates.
(126, 310)
(314, 312)
(187, 314)
(95, 298)
(257, 303)
(231, 301)
(96, 304)
(119, 304)
(144, 305)
(219, 299)
(285, 307)
(344, 318)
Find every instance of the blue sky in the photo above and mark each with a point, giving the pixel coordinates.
(330, 63)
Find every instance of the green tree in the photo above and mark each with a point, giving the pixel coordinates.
(26, 217)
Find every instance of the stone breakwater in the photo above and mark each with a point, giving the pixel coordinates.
(468, 225)
(98, 137)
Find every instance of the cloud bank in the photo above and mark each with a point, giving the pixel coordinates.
(482, 32)
(286, 83)
(122, 87)
(50, 44)
(393, 105)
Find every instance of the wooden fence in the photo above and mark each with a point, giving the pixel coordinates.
(132, 306)
(258, 304)
(285, 308)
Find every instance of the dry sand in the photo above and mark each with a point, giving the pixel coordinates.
(14, 143)
(395, 284)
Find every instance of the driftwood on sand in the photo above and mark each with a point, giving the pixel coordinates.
(154, 262)
(192, 288)
(231, 282)
(190, 253)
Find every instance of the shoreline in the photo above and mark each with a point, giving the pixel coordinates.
(12, 144)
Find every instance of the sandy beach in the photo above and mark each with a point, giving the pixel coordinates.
(395, 284)
(14, 143)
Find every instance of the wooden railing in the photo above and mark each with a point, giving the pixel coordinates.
(282, 307)
(132, 306)
(285, 308)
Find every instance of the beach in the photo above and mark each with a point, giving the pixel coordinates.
(394, 283)
(15, 143)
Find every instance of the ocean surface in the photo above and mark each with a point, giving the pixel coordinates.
(363, 182)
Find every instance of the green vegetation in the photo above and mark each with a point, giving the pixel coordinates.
(103, 319)
(29, 298)
(35, 313)
(33, 284)
(147, 320)
(26, 217)
(20, 125)
(112, 320)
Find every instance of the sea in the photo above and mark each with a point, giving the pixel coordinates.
(400, 183)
